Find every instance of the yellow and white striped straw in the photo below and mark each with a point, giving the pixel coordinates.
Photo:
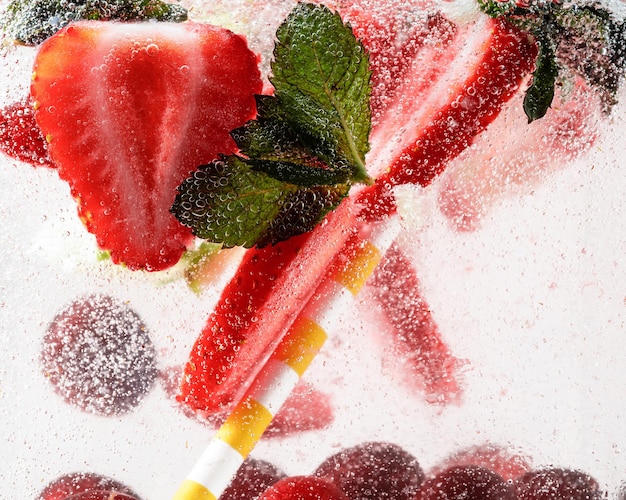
(243, 428)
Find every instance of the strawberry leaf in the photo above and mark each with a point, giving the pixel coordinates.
(298, 159)
(30, 22)
(572, 38)
(230, 202)
(539, 95)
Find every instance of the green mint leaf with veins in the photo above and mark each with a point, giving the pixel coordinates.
(573, 39)
(298, 159)
(321, 77)
(539, 95)
(229, 202)
(30, 22)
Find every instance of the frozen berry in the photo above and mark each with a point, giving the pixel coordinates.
(507, 464)
(76, 484)
(98, 355)
(252, 479)
(561, 484)
(101, 495)
(469, 482)
(303, 488)
(374, 470)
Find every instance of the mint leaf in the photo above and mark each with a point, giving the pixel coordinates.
(30, 22)
(277, 146)
(593, 45)
(321, 76)
(298, 159)
(539, 95)
(227, 201)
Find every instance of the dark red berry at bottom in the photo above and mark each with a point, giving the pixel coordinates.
(252, 479)
(79, 485)
(556, 483)
(374, 470)
(303, 488)
(468, 482)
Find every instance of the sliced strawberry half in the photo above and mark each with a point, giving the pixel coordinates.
(130, 110)
(20, 137)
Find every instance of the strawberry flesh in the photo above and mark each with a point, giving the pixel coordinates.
(130, 110)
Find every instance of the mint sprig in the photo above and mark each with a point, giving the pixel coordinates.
(30, 22)
(298, 159)
(572, 39)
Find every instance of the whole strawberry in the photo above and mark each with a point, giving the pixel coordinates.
(129, 111)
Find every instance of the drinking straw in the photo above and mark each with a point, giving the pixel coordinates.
(243, 428)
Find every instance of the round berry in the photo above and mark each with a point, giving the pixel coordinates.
(374, 470)
(502, 461)
(101, 495)
(551, 483)
(469, 482)
(98, 355)
(252, 479)
(303, 488)
(82, 483)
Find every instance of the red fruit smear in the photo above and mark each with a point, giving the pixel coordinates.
(252, 479)
(508, 56)
(374, 470)
(20, 137)
(468, 482)
(303, 488)
(502, 461)
(420, 354)
(501, 162)
(98, 355)
(306, 409)
(556, 483)
(80, 483)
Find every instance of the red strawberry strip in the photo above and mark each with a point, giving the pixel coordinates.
(232, 347)
(425, 360)
(508, 57)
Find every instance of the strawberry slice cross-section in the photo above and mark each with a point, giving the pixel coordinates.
(129, 111)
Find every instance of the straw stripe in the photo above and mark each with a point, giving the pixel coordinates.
(300, 345)
(244, 426)
(271, 388)
(354, 273)
(190, 489)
